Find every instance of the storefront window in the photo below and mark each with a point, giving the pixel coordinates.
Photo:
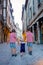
(35, 32)
(42, 31)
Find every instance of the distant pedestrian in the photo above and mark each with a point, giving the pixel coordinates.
(30, 40)
(13, 40)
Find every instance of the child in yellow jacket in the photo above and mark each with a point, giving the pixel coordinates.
(24, 36)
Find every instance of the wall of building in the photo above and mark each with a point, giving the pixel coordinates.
(5, 25)
(34, 18)
(1, 24)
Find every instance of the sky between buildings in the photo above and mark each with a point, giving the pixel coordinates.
(17, 7)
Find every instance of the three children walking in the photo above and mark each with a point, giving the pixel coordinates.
(27, 38)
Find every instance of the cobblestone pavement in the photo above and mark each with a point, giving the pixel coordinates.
(26, 59)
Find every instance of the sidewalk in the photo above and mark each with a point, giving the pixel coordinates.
(5, 54)
(35, 59)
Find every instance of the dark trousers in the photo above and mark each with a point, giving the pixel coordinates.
(22, 47)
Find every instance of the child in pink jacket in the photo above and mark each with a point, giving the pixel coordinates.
(30, 40)
(12, 41)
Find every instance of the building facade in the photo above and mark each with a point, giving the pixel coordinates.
(18, 32)
(34, 18)
(23, 18)
(5, 19)
(1, 21)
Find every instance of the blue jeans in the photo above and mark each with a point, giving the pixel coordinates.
(29, 44)
(12, 45)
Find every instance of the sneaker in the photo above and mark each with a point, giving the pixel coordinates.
(30, 53)
(14, 55)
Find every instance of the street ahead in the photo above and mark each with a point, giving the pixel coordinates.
(26, 59)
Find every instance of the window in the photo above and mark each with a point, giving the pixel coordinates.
(4, 14)
(42, 31)
(0, 1)
(33, 8)
(39, 3)
(4, 3)
(42, 28)
(4, 9)
(30, 13)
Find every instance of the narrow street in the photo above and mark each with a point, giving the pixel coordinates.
(26, 59)
(21, 21)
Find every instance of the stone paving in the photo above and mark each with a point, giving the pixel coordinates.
(26, 59)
